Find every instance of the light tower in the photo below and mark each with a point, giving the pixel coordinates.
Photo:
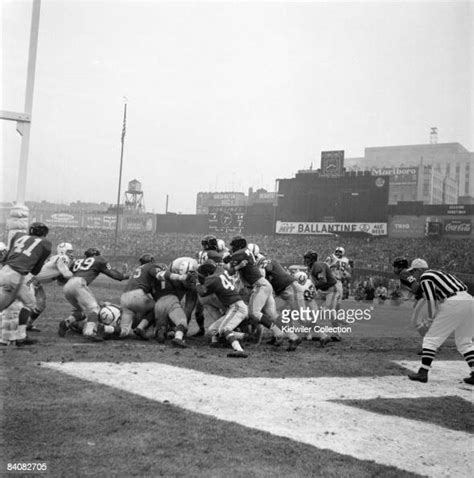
(134, 197)
(434, 135)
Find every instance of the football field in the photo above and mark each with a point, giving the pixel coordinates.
(135, 408)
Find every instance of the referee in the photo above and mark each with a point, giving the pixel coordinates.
(452, 310)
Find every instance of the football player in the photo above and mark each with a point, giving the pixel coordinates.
(326, 286)
(288, 293)
(78, 294)
(262, 307)
(27, 254)
(213, 279)
(340, 268)
(55, 268)
(209, 304)
(136, 298)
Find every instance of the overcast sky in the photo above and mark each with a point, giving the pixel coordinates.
(223, 96)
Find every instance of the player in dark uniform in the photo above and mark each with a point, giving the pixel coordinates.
(78, 294)
(326, 287)
(287, 290)
(136, 300)
(262, 307)
(209, 250)
(213, 279)
(27, 254)
(169, 288)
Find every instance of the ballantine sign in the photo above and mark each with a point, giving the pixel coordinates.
(315, 228)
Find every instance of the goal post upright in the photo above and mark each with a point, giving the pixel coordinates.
(19, 213)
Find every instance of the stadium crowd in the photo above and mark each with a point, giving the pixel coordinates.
(368, 253)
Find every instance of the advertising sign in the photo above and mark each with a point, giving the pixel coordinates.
(315, 228)
(406, 226)
(398, 175)
(458, 227)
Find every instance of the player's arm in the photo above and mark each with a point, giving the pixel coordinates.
(168, 275)
(63, 267)
(42, 259)
(113, 273)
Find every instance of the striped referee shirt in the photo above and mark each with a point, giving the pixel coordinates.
(438, 286)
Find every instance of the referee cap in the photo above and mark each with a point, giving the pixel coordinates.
(418, 264)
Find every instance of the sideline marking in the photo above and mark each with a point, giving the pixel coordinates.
(301, 409)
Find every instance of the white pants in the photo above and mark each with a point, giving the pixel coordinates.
(455, 314)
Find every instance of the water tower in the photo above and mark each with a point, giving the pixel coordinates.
(134, 197)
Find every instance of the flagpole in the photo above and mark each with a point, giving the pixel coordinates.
(120, 176)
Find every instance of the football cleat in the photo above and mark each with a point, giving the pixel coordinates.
(277, 341)
(140, 333)
(32, 328)
(293, 344)
(237, 354)
(470, 380)
(94, 337)
(420, 376)
(63, 328)
(180, 343)
(199, 333)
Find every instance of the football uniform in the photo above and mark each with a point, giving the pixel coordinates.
(261, 301)
(27, 254)
(339, 267)
(236, 311)
(137, 298)
(288, 291)
(77, 292)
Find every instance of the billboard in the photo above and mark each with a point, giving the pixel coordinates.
(226, 219)
(457, 227)
(320, 228)
(399, 176)
(406, 226)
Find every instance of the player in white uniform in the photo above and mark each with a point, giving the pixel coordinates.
(55, 268)
(340, 268)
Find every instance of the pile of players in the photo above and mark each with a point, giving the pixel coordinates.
(238, 290)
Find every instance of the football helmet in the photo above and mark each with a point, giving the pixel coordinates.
(146, 258)
(92, 251)
(65, 249)
(237, 243)
(254, 249)
(310, 257)
(109, 314)
(221, 245)
(207, 268)
(339, 252)
(38, 229)
(301, 277)
(400, 262)
(209, 243)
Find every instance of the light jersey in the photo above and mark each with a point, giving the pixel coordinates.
(27, 253)
(337, 265)
(90, 267)
(56, 266)
(309, 291)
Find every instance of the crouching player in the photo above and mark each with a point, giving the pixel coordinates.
(78, 294)
(215, 280)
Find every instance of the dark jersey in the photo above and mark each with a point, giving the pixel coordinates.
(222, 285)
(143, 277)
(322, 276)
(277, 276)
(27, 253)
(167, 286)
(90, 267)
(244, 261)
(408, 281)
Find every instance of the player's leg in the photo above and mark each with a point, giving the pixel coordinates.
(178, 317)
(236, 313)
(89, 305)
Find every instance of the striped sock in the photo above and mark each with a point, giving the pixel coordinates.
(427, 356)
(469, 356)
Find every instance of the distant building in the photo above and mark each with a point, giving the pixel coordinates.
(450, 172)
